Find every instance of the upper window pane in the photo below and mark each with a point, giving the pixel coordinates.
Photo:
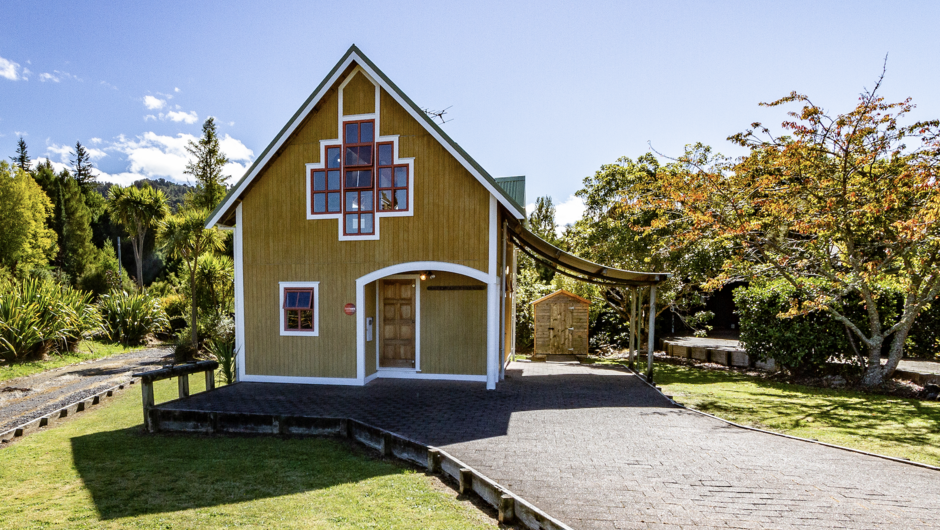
(365, 132)
(352, 156)
(303, 299)
(385, 177)
(365, 155)
(352, 133)
(290, 299)
(333, 180)
(332, 157)
(385, 154)
(365, 201)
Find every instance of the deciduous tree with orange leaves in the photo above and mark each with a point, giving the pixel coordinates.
(852, 199)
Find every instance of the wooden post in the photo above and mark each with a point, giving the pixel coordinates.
(183, 385)
(210, 380)
(634, 335)
(146, 391)
(507, 509)
(652, 334)
(503, 269)
(434, 460)
(466, 481)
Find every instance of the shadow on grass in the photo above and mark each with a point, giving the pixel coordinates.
(130, 474)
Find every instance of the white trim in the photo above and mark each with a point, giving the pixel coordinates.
(239, 296)
(492, 303)
(410, 374)
(316, 308)
(349, 381)
(371, 377)
(292, 126)
(417, 280)
(388, 271)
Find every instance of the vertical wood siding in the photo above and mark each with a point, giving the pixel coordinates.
(453, 327)
(560, 307)
(359, 96)
(450, 224)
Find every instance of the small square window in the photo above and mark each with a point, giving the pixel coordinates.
(299, 308)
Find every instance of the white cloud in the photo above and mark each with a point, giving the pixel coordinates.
(64, 152)
(150, 117)
(96, 141)
(9, 70)
(96, 154)
(21, 133)
(48, 77)
(569, 212)
(235, 149)
(231, 124)
(154, 103)
(109, 85)
(180, 116)
(176, 89)
(154, 156)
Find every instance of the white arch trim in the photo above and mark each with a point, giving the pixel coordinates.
(399, 268)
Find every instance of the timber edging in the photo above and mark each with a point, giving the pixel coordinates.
(50, 419)
(510, 507)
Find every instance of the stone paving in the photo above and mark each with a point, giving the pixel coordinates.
(598, 449)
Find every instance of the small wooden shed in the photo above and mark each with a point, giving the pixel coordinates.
(561, 324)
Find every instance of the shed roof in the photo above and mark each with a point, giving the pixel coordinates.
(558, 292)
(223, 213)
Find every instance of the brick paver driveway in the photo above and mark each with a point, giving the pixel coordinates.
(597, 448)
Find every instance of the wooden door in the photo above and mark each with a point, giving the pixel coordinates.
(560, 330)
(397, 347)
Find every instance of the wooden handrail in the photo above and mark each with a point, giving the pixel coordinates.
(182, 371)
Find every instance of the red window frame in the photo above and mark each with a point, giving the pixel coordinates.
(299, 310)
(327, 191)
(392, 188)
(360, 213)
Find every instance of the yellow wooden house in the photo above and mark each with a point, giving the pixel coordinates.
(368, 245)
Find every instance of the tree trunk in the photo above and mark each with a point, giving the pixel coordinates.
(874, 373)
(192, 302)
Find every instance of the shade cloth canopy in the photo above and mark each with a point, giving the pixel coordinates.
(570, 265)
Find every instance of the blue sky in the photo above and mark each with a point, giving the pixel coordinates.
(550, 90)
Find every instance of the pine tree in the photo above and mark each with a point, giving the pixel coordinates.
(76, 248)
(22, 157)
(82, 168)
(206, 168)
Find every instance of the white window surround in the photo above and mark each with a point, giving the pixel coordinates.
(378, 323)
(339, 142)
(282, 286)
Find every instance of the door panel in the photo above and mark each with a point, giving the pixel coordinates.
(397, 346)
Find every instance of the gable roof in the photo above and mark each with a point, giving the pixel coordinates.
(558, 292)
(354, 55)
(514, 187)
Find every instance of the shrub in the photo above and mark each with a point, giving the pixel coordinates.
(38, 317)
(224, 352)
(128, 318)
(802, 343)
(101, 276)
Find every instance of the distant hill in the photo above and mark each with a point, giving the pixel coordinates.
(174, 192)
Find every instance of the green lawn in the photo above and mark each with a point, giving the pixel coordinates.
(87, 350)
(100, 471)
(903, 428)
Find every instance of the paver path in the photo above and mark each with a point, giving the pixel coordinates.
(597, 448)
(27, 398)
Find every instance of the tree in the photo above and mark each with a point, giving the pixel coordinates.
(541, 222)
(613, 232)
(841, 198)
(22, 157)
(206, 167)
(185, 237)
(25, 240)
(82, 167)
(137, 210)
(76, 250)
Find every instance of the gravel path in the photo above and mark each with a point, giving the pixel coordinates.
(27, 398)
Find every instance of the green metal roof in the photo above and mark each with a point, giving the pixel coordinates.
(514, 187)
(228, 203)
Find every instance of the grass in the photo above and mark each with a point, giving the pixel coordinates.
(86, 351)
(903, 428)
(100, 471)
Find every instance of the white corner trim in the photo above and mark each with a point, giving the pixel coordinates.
(371, 377)
(316, 308)
(492, 302)
(239, 296)
(292, 126)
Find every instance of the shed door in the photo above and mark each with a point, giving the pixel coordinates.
(559, 331)
(397, 348)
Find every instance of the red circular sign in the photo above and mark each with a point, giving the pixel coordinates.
(350, 309)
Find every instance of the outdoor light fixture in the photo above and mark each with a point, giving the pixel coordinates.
(426, 275)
